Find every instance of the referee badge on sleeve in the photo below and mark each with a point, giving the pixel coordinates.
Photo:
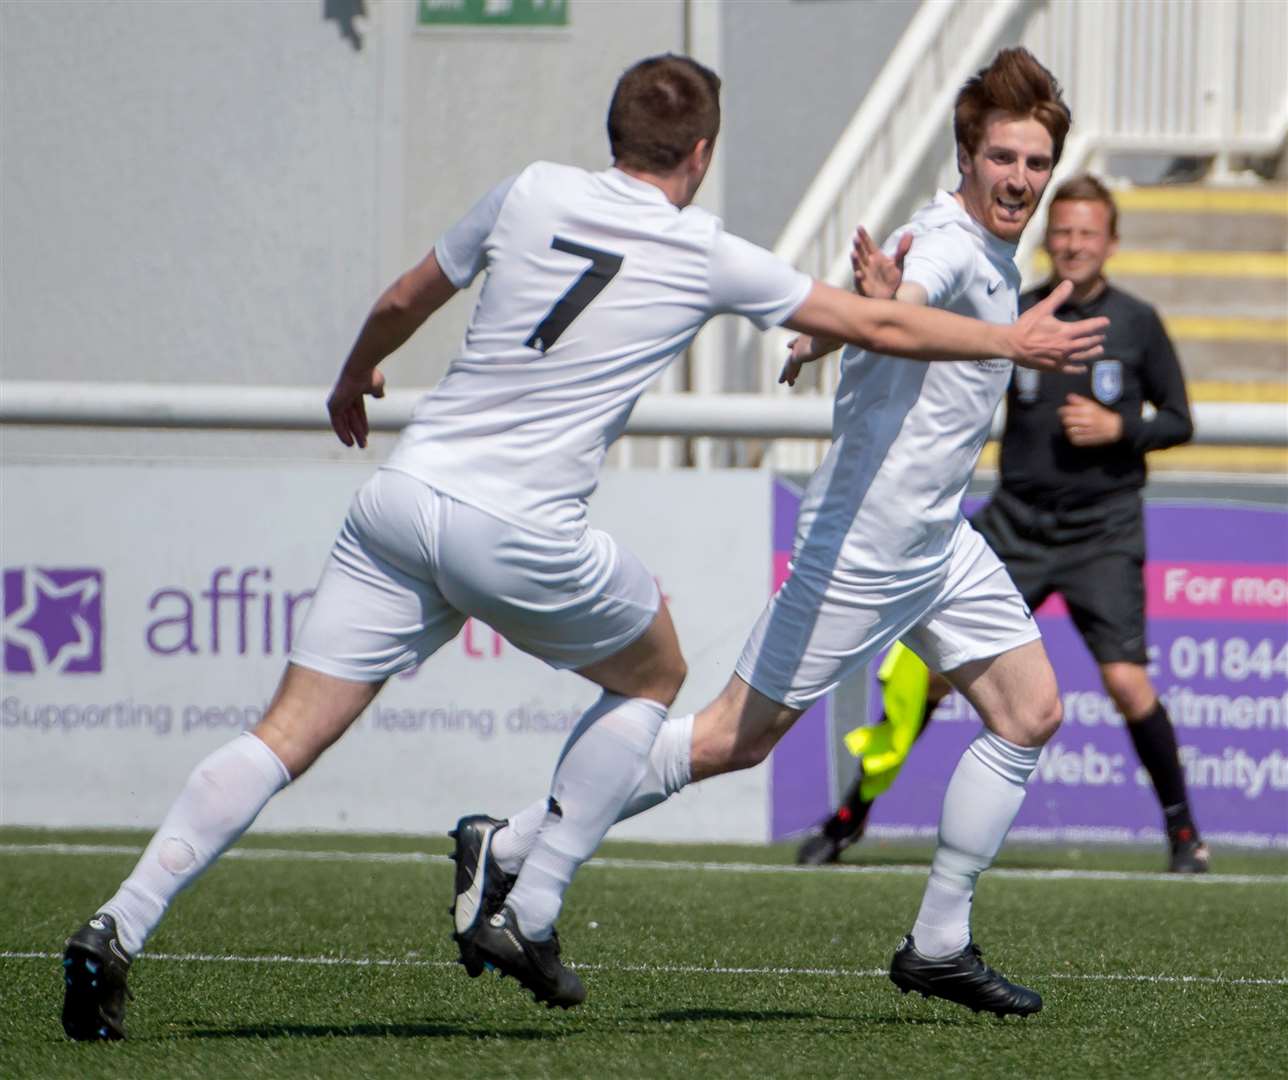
(1107, 381)
(1026, 384)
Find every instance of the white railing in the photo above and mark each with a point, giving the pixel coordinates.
(301, 408)
(1193, 77)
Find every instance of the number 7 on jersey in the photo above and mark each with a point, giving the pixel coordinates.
(592, 281)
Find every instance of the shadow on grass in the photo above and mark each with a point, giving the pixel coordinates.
(755, 1016)
(370, 1031)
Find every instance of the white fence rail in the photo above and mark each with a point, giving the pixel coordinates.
(289, 408)
(1188, 77)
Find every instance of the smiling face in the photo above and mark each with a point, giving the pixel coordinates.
(1004, 178)
(1079, 239)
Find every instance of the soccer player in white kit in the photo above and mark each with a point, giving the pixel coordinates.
(595, 282)
(883, 552)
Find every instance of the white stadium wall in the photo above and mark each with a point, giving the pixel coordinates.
(198, 192)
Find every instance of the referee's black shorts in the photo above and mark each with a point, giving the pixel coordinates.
(1093, 557)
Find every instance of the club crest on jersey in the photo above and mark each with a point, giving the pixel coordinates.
(1026, 384)
(1107, 380)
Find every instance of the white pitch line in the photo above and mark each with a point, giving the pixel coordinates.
(901, 870)
(651, 969)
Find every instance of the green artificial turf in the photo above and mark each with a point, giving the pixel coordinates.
(741, 969)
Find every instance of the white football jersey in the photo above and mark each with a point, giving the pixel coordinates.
(595, 282)
(887, 498)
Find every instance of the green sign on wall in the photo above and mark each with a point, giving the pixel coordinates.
(492, 13)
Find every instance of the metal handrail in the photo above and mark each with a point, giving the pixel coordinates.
(301, 408)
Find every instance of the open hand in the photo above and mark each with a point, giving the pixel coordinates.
(877, 275)
(1042, 341)
(348, 410)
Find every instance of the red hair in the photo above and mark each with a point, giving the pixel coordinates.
(1018, 85)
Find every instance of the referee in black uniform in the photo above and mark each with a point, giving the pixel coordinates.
(1067, 516)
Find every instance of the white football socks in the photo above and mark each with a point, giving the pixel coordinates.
(604, 761)
(667, 772)
(668, 767)
(224, 794)
(983, 797)
(512, 842)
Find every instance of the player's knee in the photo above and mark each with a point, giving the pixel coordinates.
(1044, 718)
(1129, 687)
(674, 675)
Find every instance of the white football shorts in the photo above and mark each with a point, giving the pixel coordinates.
(819, 628)
(411, 564)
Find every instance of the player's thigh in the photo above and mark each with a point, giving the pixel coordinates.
(377, 610)
(818, 629)
(571, 601)
(1104, 588)
(1030, 563)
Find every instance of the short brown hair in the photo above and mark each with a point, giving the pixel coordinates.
(1017, 84)
(661, 108)
(1087, 188)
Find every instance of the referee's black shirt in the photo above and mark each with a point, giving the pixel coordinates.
(1038, 463)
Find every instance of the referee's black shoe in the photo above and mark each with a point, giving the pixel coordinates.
(825, 844)
(1188, 854)
(481, 885)
(95, 968)
(500, 943)
(962, 978)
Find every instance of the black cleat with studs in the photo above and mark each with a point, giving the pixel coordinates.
(962, 978)
(481, 885)
(95, 968)
(500, 944)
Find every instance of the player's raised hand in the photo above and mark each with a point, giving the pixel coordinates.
(348, 410)
(1042, 341)
(877, 275)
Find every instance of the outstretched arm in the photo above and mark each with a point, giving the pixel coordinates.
(1038, 340)
(399, 312)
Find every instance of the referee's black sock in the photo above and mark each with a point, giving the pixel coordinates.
(1155, 742)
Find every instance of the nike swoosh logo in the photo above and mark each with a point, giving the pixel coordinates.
(468, 902)
(993, 286)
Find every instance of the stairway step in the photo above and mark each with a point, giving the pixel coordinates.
(1203, 199)
(1264, 297)
(1233, 361)
(1190, 264)
(1181, 231)
(1226, 328)
(1255, 393)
